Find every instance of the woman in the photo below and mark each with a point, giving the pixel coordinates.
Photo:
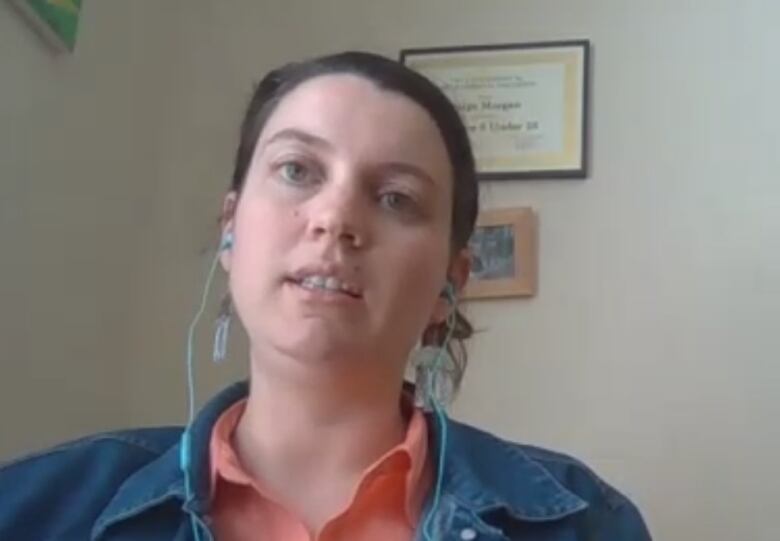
(345, 240)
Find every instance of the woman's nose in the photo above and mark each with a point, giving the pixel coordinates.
(339, 216)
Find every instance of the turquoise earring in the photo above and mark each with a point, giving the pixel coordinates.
(435, 369)
(222, 326)
(222, 329)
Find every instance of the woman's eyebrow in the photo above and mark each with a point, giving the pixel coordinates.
(403, 168)
(300, 136)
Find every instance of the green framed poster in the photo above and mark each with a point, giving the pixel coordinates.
(56, 20)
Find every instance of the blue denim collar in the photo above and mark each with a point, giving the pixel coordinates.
(153, 484)
(481, 474)
(162, 479)
(484, 474)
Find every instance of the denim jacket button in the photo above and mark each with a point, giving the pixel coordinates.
(468, 534)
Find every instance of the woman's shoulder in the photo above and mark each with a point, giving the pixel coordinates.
(489, 448)
(74, 481)
(151, 441)
(536, 483)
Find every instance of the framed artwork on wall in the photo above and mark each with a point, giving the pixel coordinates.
(57, 21)
(504, 254)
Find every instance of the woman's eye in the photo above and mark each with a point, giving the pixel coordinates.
(397, 201)
(294, 172)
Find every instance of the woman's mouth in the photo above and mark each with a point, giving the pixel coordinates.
(327, 284)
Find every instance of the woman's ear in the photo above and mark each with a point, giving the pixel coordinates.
(460, 269)
(226, 223)
(457, 275)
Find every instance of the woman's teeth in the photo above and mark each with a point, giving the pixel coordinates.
(328, 283)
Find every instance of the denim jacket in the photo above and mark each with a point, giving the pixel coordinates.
(128, 486)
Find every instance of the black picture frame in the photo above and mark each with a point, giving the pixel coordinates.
(577, 168)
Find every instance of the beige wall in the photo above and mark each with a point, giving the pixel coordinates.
(651, 349)
(78, 171)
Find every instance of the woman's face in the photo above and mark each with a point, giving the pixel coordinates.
(342, 229)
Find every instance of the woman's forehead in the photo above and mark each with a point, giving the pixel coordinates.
(358, 118)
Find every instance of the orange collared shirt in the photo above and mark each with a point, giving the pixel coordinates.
(386, 505)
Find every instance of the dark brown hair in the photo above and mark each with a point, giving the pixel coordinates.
(393, 76)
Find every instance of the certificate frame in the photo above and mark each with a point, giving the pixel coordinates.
(525, 105)
(504, 254)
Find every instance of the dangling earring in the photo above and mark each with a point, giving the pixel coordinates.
(222, 329)
(435, 369)
(434, 377)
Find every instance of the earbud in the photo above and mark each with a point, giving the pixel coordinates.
(227, 241)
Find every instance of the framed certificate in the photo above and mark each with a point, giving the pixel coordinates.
(525, 105)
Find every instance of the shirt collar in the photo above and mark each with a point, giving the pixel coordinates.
(162, 479)
(481, 472)
(223, 461)
(408, 459)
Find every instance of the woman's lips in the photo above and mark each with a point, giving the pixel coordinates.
(320, 294)
(329, 276)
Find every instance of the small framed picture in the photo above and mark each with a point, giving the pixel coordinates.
(56, 21)
(525, 105)
(504, 254)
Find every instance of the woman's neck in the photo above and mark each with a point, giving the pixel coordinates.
(321, 427)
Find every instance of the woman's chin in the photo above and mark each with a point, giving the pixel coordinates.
(317, 344)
